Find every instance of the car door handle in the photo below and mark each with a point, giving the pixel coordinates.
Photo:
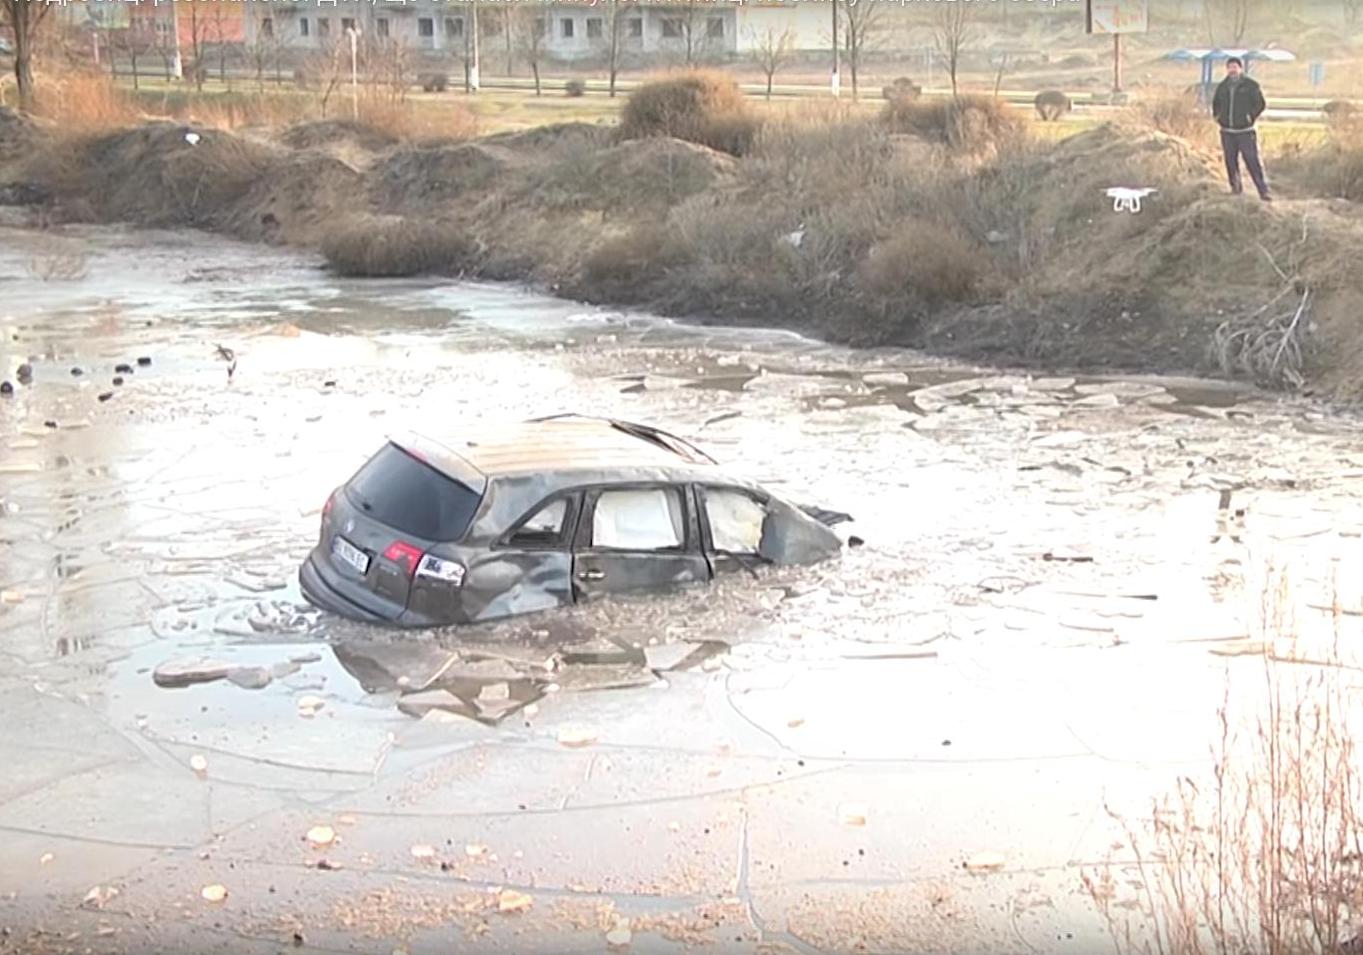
(591, 575)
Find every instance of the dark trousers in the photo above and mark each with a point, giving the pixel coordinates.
(1245, 144)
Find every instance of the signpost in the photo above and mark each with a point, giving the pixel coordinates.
(1117, 17)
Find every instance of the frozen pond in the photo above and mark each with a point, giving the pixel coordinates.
(1057, 580)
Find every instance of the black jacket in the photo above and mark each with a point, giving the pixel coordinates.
(1237, 106)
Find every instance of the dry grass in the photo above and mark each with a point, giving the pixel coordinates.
(972, 124)
(390, 246)
(85, 103)
(54, 259)
(1265, 856)
(699, 106)
(1175, 114)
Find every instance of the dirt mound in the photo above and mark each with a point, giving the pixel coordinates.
(640, 173)
(18, 134)
(553, 138)
(171, 175)
(331, 132)
(416, 176)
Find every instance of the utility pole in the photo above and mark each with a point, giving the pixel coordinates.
(471, 83)
(1116, 62)
(836, 81)
(354, 34)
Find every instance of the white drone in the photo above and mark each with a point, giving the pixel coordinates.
(1126, 199)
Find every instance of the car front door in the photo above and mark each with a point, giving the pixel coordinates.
(637, 538)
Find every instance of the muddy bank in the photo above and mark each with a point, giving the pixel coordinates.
(831, 225)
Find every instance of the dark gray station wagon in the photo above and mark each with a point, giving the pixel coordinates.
(546, 513)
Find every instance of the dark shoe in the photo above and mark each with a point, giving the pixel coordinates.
(1237, 192)
(1266, 197)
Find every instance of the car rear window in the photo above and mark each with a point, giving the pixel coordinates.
(412, 497)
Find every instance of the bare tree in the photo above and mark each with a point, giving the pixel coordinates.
(198, 42)
(328, 65)
(263, 46)
(532, 28)
(390, 66)
(1353, 11)
(1229, 19)
(688, 23)
(613, 25)
(24, 19)
(863, 24)
(953, 30)
(133, 42)
(218, 36)
(771, 51)
(998, 73)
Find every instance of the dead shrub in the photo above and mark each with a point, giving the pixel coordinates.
(376, 246)
(1052, 104)
(699, 106)
(923, 261)
(620, 266)
(966, 123)
(901, 88)
(83, 102)
(1261, 851)
(1178, 115)
(575, 88)
(54, 259)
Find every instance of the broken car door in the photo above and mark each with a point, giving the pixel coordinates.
(732, 523)
(636, 538)
(530, 567)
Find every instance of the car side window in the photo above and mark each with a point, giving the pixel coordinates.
(639, 519)
(736, 520)
(543, 528)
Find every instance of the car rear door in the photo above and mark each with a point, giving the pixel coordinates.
(378, 527)
(637, 538)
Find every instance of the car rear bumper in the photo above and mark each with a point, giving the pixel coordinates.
(325, 589)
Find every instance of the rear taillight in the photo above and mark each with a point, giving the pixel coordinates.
(404, 555)
(436, 568)
(417, 564)
(326, 508)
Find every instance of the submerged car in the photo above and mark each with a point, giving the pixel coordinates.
(543, 514)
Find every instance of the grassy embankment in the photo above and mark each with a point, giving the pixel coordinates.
(946, 226)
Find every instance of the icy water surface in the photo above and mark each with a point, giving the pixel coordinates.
(1058, 577)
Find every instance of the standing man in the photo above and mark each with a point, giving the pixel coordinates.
(1237, 105)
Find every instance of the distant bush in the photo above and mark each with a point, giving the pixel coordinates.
(967, 123)
(574, 87)
(901, 88)
(1052, 104)
(435, 82)
(934, 264)
(698, 106)
(389, 246)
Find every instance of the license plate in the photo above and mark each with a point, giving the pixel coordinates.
(348, 553)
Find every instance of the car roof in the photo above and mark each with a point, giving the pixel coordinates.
(560, 443)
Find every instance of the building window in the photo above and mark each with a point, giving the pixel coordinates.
(714, 28)
(381, 26)
(566, 26)
(636, 28)
(595, 28)
(672, 28)
(454, 28)
(323, 27)
(267, 26)
(425, 27)
(303, 26)
(347, 24)
(542, 26)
